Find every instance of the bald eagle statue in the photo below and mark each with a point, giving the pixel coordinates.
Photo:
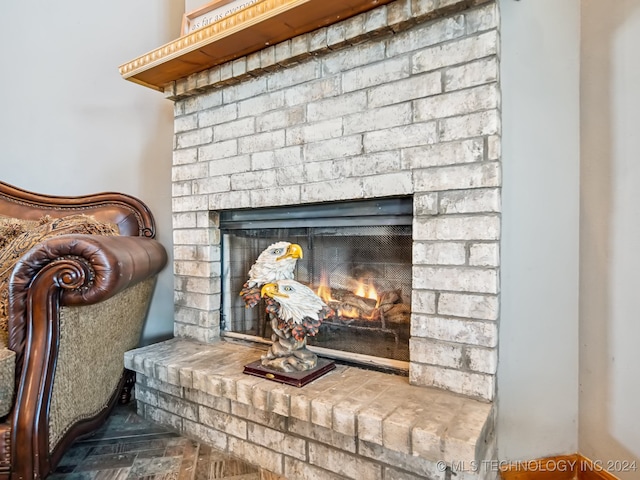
(296, 313)
(276, 262)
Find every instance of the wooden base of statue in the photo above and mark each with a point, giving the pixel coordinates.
(297, 379)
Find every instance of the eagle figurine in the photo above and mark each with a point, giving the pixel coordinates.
(276, 262)
(296, 313)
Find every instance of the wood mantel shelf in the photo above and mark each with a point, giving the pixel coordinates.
(265, 23)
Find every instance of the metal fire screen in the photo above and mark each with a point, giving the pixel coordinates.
(357, 257)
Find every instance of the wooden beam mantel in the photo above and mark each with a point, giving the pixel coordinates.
(249, 30)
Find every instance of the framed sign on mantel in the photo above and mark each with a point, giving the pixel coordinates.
(211, 13)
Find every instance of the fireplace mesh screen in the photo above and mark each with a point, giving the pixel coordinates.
(363, 272)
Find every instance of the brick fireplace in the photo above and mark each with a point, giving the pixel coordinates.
(400, 101)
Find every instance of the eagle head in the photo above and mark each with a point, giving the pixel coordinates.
(296, 306)
(276, 262)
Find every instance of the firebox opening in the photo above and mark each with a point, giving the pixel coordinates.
(357, 258)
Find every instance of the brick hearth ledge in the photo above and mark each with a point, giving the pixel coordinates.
(352, 422)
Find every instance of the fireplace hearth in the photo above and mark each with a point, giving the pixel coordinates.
(400, 104)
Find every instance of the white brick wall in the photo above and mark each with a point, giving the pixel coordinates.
(347, 112)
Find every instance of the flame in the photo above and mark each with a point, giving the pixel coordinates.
(361, 289)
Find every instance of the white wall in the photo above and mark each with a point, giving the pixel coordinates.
(538, 351)
(71, 125)
(610, 233)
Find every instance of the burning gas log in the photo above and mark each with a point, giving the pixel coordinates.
(365, 304)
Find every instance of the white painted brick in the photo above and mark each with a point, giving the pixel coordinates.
(482, 18)
(417, 86)
(226, 71)
(227, 200)
(354, 27)
(484, 307)
(342, 463)
(377, 119)
(380, 162)
(426, 35)
(192, 171)
(253, 62)
(281, 119)
(494, 147)
(341, 189)
(260, 104)
(483, 360)
(290, 176)
(383, 72)
(334, 148)
(439, 253)
(303, 471)
(211, 185)
(261, 141)
(318, 40)
(442, 154)
(457, 279)
(425, 204)
(309, 92)
(189, 204)
(484, 254)
(200, 236)
(470, 74)
(229, 165)
(472, 125)
(239, 66)
(452, 53)
(184, 220)
(375, 19)
(388, 184)
(218, 150)
(215, 116)
(257, 455)
(336, 106)
(356, 56)
(182, 157)
(456, 103)
(423, 301)
(455, 330)
(235, 129)
(477, 227)
(206, 302)
(399, 11)
(267, 57)
(253, 180)
(300, 46)
(470, 201)
(458, 177)
(181, 189)
(215, 75)
(424, 7)
(288, 195)
(243, 90)
(194, 138)
(183, 124)
(210, 436)
(336, 35)
(294, 74)
(401, 137)
(163, 418)
(327, 170)
(283, 157)
(314, 132)
(435, 352)
(476, 385)
(283, 51)
(278, 441)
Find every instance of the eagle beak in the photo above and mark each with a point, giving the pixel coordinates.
(293, 251)
(271, 290)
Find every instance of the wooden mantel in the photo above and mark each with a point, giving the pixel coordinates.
(265, 23)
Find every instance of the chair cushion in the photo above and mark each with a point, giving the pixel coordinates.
(18, 236)
(7, 379)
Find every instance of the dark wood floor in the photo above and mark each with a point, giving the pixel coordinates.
(128, 447)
